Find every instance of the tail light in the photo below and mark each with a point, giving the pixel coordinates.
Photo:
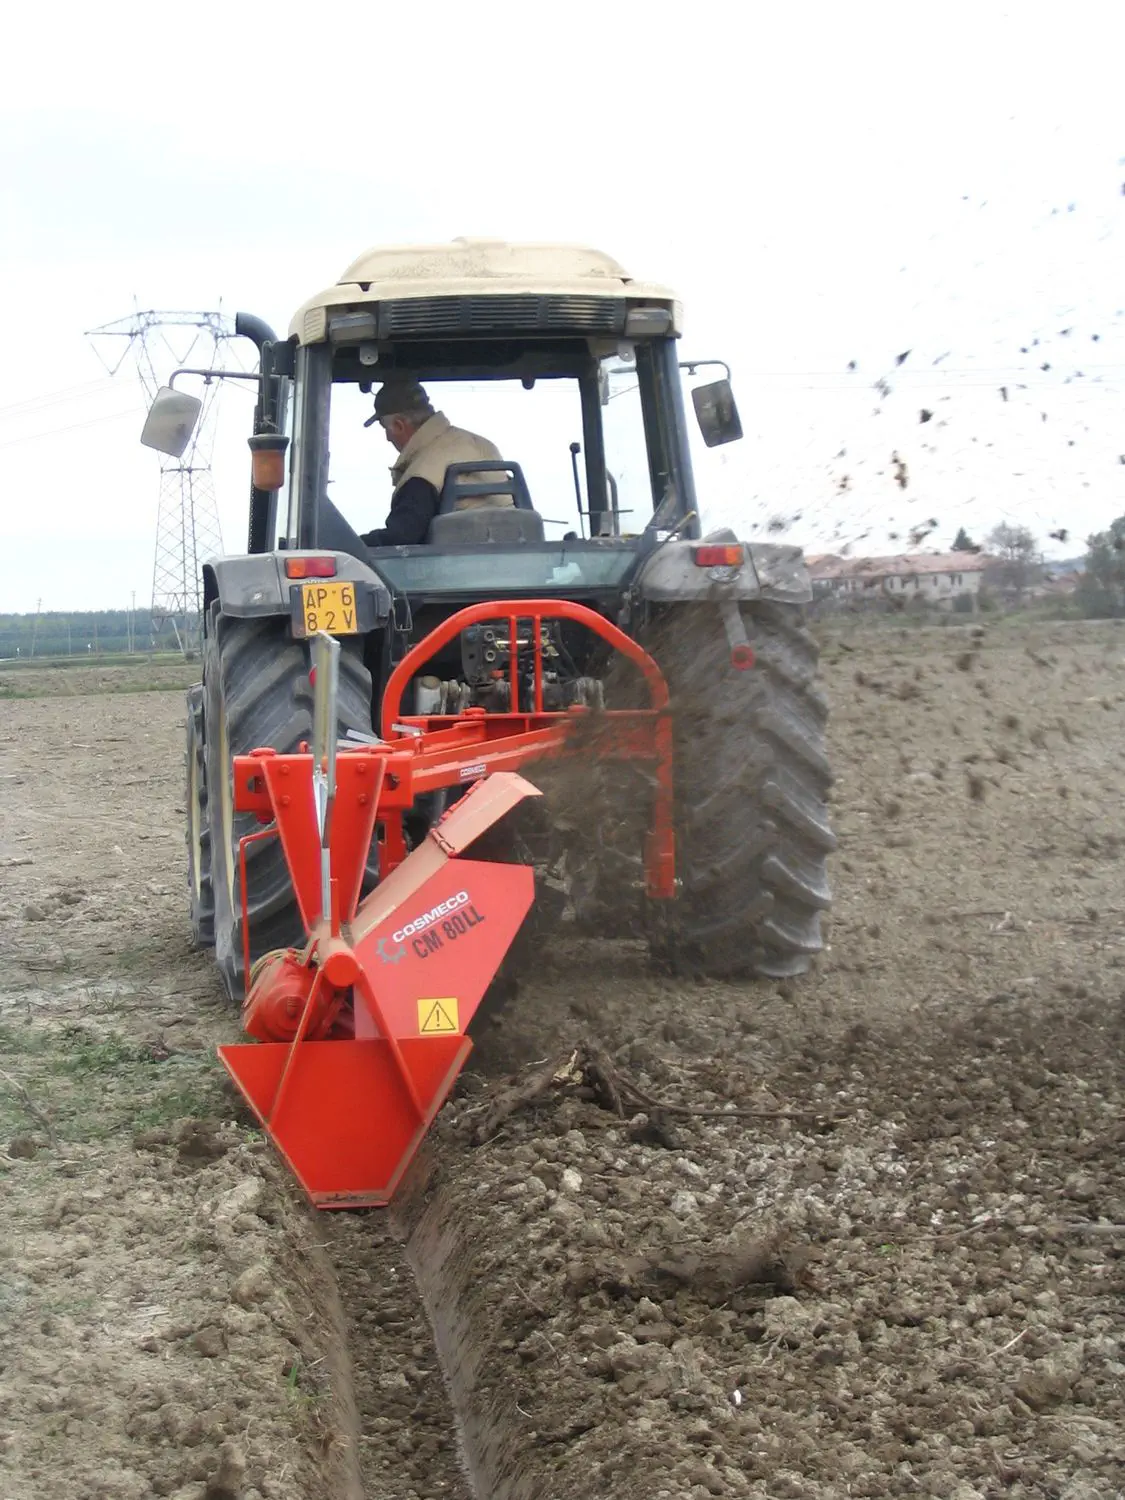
(718, 555)
(310, 567)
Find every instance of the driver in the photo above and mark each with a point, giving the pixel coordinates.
(427, 443)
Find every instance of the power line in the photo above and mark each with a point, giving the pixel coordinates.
(34, 437)
(55, 398)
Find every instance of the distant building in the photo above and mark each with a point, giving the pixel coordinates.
(929, 578)
(1057, 584)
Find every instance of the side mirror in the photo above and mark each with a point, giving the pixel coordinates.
(171, 421)
(716, 413)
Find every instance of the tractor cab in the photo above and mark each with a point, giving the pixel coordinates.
(565, 363)
(559, 357)
(554, 353)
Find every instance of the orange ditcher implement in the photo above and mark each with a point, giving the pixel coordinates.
(359, 1036)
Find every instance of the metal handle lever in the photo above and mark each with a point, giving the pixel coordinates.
(326, 685)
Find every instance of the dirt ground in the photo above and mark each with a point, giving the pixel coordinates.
(857, 1235)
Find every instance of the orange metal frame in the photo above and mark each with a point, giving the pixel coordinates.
(507, 741)
(454, 750)
(345, 1072)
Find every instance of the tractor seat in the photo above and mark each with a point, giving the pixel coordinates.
(488, 523)
(481, 521)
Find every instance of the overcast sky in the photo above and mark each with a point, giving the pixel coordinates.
(822, 184)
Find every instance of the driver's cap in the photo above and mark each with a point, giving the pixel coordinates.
(400, 396)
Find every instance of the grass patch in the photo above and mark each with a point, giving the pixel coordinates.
(88, 662)
(178, 1100)
(91, 1086)
(36, 678)
(84, 1053)
(102, 689)
(24, 1041)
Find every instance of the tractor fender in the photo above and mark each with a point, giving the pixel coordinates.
(255, 586)
(771, 571)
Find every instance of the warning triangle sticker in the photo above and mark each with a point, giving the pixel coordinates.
(437, 1017)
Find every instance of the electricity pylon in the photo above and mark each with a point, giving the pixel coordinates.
(187, 515)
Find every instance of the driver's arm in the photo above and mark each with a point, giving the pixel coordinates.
(413, 506)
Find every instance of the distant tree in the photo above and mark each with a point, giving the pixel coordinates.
(1016, 564)
(963, 542)
(1101, 591)
(54, 633)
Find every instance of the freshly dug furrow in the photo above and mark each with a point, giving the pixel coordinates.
(408, 1447)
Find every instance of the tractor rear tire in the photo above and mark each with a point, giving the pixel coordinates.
(752, 781)
(201, 898)
(257, 693)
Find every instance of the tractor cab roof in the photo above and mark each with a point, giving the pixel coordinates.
(477, 287)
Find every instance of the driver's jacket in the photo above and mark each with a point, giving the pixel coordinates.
(435, 446)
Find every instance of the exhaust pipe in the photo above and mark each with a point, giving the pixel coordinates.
(257, 330)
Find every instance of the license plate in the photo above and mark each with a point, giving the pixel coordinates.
(330, 607)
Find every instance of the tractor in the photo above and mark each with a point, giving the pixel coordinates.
(717, 806)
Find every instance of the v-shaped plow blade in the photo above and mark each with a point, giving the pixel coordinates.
(347, 1122)
(404, 977)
